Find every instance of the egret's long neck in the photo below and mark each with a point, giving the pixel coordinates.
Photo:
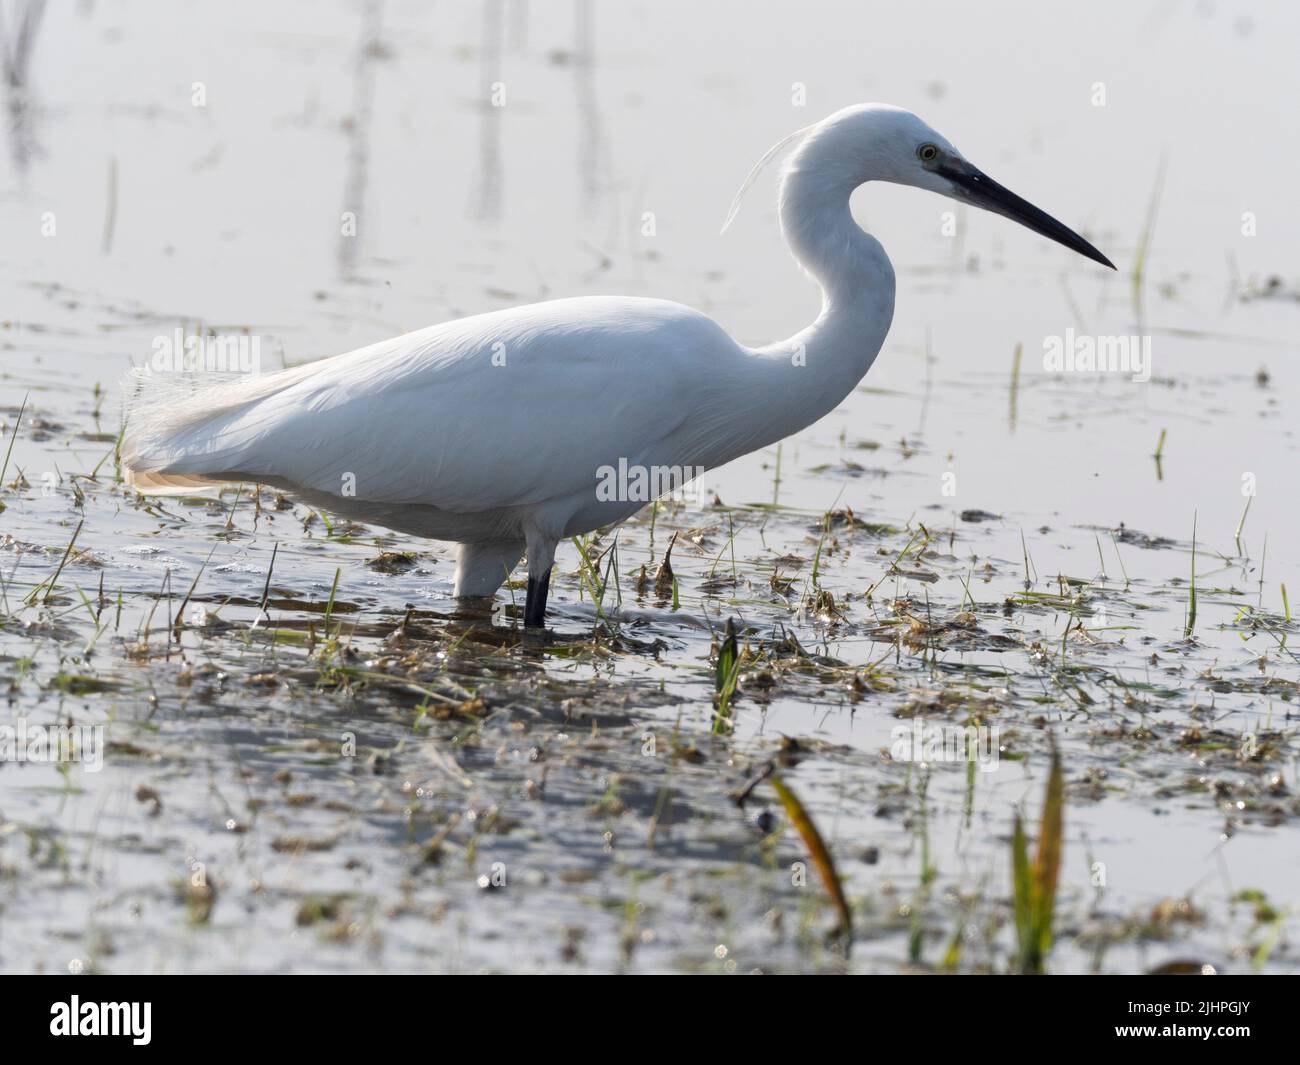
(797, 381)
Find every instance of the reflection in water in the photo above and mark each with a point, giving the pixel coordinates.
(591, 139)
(352, 218)
(492, 101)
(519, 25)
(15, 55)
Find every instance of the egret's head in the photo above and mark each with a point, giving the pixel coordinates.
(876, 142)
(911, 153)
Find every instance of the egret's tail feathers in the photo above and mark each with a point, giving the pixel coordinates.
(168, 484)
(174, 442)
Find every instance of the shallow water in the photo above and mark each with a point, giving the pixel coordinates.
(272, 800)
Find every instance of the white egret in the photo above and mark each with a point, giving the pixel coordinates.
(492, 430)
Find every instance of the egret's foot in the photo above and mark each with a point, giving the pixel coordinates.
(535, 604)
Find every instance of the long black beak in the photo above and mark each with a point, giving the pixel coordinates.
(981, 190)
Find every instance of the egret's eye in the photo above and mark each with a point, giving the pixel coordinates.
(927, 153)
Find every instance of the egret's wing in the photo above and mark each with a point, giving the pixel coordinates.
(498, 410)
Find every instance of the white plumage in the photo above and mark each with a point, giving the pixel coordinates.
(491, 430)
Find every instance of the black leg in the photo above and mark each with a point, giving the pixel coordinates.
(535, 604)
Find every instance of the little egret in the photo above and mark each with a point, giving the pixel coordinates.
(493, 431)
